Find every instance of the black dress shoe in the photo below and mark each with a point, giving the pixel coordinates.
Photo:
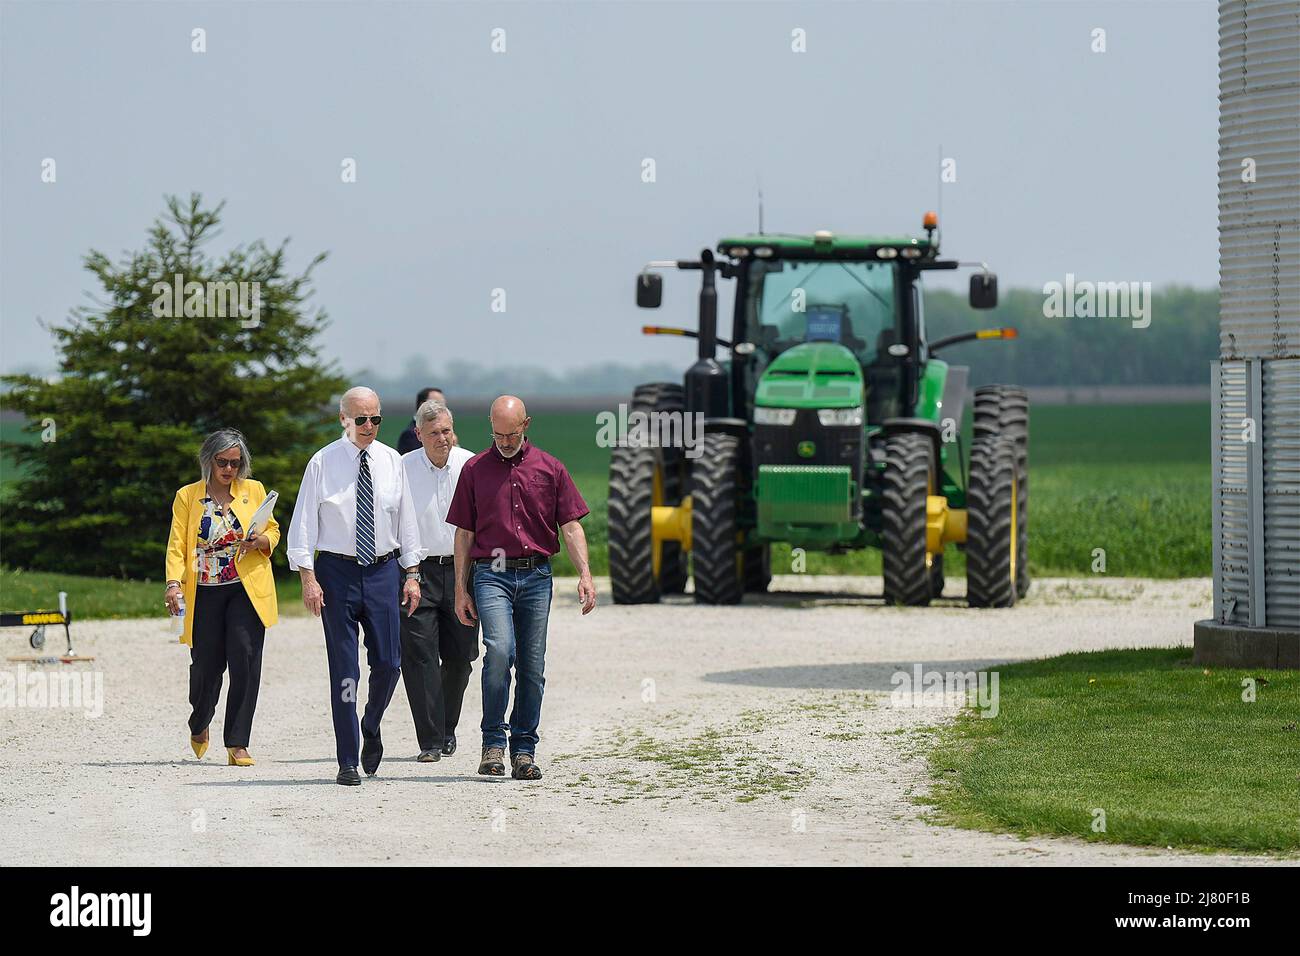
(372, 751)
(449, 745)
(348, 777)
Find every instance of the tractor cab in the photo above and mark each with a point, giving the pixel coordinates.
(796, 309)
(860, 292)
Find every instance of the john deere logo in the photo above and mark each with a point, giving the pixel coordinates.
(807, 449)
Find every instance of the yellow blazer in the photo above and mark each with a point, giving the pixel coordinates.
(254, 567)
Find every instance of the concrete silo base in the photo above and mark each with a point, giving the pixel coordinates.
(1231, 645)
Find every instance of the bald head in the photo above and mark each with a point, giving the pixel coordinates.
(508, 411)
(509, 421)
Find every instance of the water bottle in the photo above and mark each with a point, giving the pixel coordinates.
(178, 621)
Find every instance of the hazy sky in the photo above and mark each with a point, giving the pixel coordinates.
(522, 170)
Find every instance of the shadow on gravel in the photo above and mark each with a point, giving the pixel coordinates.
(868, 676)
(788, 599)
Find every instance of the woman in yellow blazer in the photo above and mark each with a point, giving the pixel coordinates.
(223, 574)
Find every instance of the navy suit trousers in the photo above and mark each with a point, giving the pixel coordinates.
(368, 597)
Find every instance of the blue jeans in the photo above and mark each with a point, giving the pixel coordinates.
(514, 607)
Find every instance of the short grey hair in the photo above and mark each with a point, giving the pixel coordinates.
(219, 441)
(357, 391)
(431, 410)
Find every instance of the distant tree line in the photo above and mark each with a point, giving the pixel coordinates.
(462, 380)
(1175, 349)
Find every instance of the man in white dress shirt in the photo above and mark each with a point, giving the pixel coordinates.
(353, 540)
(437, 649)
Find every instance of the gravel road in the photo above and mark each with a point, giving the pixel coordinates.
(760, 734)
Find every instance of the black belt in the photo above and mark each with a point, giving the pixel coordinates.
(352, 558)
(516, 564)
(441, 559)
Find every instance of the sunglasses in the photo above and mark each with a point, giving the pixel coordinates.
(362, 419)
(228, 462)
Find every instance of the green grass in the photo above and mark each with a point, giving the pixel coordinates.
(92, 598)
(1169, 751)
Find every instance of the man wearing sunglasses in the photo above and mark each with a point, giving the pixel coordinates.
(355, 542)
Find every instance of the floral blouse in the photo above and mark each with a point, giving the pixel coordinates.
(218, 532)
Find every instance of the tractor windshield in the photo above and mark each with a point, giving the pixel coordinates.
(852, 303)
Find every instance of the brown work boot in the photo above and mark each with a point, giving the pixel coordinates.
(493, 763)
(524, 768)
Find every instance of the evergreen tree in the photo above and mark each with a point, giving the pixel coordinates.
(138, 391)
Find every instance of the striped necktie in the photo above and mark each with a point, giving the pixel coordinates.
(365, 513)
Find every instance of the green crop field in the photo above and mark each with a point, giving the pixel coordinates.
(1130, 480)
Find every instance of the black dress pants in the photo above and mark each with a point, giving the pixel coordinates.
(227, 633)
(437, 654)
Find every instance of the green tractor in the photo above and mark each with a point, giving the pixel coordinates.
(829, 425)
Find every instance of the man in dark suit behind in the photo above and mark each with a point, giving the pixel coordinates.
(410, 439)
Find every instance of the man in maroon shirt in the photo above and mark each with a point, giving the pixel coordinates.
(508, 504)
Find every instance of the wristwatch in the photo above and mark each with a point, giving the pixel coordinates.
(412, 574)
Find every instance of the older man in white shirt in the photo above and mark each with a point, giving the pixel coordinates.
(353, 538)
(437, 649)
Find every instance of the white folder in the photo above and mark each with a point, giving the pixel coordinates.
(261, 517)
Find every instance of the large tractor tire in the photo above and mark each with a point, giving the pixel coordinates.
(909, 479)
(667, 397)
(631, 550)
(756, 566)
(1004, 410)
(637, 477)
(991, 543)
(715, 552)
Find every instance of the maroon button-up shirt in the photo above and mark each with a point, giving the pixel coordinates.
(515, 504)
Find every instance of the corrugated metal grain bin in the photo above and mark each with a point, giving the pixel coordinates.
(1256, 382)
(1259, 203)
(1256, 485)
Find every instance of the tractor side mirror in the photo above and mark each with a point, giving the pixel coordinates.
(650, 290)
(983, 290)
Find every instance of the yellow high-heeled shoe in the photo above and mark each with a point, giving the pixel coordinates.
(199, 748)
(233, 761)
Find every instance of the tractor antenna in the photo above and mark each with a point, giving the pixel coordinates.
(939, 231)
(760, 206)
